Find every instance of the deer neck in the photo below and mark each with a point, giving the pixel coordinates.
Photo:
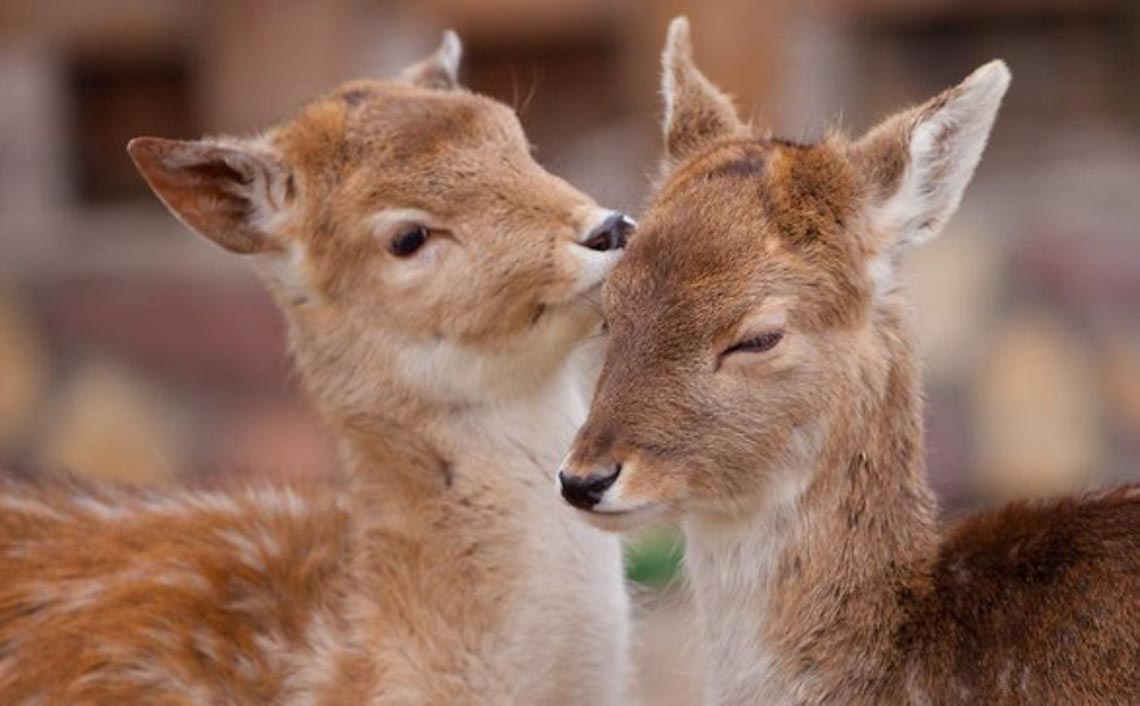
(409, 454)
(461, 499)
(419, 422)
(801, 598)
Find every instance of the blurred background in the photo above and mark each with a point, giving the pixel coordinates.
(131, 350)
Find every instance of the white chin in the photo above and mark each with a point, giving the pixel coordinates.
(623, 520)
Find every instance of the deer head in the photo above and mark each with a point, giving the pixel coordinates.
(755, 311)
(415, 246)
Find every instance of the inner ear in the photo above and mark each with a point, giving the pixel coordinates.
(919, 162)
(228, 193)
(441, 69)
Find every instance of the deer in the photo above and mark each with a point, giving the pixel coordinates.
(761, 386)
(439, 290)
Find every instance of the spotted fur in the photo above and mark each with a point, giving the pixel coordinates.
(441, 571)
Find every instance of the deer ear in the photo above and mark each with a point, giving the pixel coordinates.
(920, 161)
(441, 68)
(696, 111)
(228, 193)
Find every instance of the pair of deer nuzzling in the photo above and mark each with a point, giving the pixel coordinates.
(759, 382)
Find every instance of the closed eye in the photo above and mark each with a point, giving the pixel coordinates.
(757, 344)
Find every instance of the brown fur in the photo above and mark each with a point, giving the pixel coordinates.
(115, 601)
(444, 572)
(820, 571)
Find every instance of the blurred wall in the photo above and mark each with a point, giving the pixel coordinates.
(127, 343)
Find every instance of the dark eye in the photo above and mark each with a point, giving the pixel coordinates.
(408, 241)
(759, 344)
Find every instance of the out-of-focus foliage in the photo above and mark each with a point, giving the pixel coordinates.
(654, 558)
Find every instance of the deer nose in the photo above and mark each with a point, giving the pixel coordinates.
(611, 234)
(584, 492)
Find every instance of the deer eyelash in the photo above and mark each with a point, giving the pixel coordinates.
(758, 344)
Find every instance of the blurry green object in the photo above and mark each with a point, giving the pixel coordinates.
(654, 558)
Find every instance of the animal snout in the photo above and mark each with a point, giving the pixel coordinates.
(611, 234)
(584, 492)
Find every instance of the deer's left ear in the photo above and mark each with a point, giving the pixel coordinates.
(919, 162)
(441, 68)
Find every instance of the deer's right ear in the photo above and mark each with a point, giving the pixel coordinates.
(441, 69)
(696, 111)
(228, 193)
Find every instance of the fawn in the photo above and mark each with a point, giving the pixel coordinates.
(439, 287)
(761, 383)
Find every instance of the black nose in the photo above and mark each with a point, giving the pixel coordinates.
(584, 492)
(612, 234)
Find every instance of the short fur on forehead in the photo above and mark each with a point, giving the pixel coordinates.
(755, 208)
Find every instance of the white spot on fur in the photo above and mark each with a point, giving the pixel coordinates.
(245, 666)
(71, 596)
(98, 508)
(205, 643)
(23, 505)
(153, 677)
(168, 641)
(280, 500)
(191, 504)
(315, 666)
(185, 579)
(251, 551)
